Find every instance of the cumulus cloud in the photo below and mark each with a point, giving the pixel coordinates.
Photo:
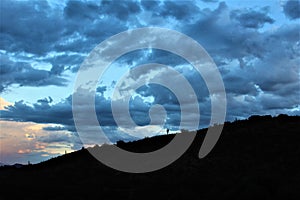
(81, 10)
(23, 74)
(57, 138)
(61, 113)
(45, 100)
(252, 18)
(179, 10)
(54, 128)
(29, 33)
(150, 5)
(214, 31)
(54, 34)
(121, 10)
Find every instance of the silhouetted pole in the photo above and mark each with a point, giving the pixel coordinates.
(168, 131)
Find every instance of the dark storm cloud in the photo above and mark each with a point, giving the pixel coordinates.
(40, 29)
(97, 21)
(52, 35)
(57, 69)
(292, 9)
(61, 113)
(81, 10)
(273, 102)
(252, 18)
(237, 84)
(223, 38)
(122, 10)
(40, 112)
(278, 71)
(150, 5)
(179, 10)
(28, 26)
(251, 61)
(23, 74)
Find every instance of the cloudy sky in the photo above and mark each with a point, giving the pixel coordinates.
(255, 45)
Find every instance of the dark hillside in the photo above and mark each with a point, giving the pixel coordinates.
(258, 157)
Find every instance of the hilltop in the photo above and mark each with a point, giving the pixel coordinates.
(258, 157)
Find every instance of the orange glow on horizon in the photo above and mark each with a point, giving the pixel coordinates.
(20, 139)
(4, 103)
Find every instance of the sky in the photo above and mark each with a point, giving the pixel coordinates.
(255, 45)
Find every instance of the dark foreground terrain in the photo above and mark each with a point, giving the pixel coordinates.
(254, 158)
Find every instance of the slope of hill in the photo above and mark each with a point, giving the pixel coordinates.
(258, 157)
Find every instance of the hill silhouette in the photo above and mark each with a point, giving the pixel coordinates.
(258, 157)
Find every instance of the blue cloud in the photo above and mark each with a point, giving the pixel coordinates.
(54, 128)
(23, 74)
(252, 18)
(78, 10)
(101, 89)
(292, 9)
(28, 26)
(179, 10)
(150, 5)
(121, 10)
(45, 100)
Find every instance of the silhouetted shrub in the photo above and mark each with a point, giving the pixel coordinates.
(120, 143)
(259, 117)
